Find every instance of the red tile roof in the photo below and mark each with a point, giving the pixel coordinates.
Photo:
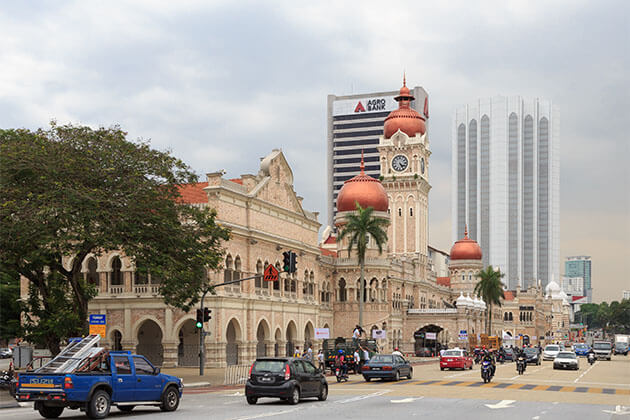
(444, 281)
(194, 193)
(237, 180)
(328, 252)
(330, 240)
(508, 294)
(574, 298)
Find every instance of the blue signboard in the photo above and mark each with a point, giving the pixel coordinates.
(98, 319)
(463, 332)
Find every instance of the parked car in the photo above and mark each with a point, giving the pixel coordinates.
(424, 352)
(509, 354)
(551, 351)
(6, 353)
(566, 360)
(581, 349)
(532, 356)
(288, 378)
(456, 359)
(387, 366)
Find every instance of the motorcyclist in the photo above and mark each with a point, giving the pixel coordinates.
(501, 354)
(487, 357)
(520, 353)
(590, 354)
(340, 362)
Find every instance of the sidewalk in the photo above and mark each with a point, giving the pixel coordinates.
(215, 377)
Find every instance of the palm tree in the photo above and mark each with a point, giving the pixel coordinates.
(490, 289)
(358, 226)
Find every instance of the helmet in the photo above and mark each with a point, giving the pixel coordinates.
(483, 347)
(396, 349)
(340, 351)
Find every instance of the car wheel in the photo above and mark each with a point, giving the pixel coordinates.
(99, 405)
(295, 396)
(397, 376)
(252, 400)
(170, 399)
(126, 408)
(49, 412)
(367, 378)
(441, 368)
(410, 373)
(323, 393)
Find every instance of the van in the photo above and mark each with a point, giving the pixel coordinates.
(602, 349)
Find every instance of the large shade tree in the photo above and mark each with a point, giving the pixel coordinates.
(490, 289)
(358, 228)
(71, 191)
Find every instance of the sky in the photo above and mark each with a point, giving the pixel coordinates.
(222, 83)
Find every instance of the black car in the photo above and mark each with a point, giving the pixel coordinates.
(287, 378)
(509, 354)
(533, 356)
(387, 366)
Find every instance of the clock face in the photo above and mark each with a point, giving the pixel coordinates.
(422, 165)
(400, 163)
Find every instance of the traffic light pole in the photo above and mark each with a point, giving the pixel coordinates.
(202, 337)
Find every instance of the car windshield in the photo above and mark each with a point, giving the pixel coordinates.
(268, 366)
(452, 353)
(531, 351)
(566, 355)
(382, 358)
(508, 350)
(552, 348)
(601, 346)
(580, 346)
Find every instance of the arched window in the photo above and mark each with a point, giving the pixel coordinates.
(399, 211)
(411, 211)
(343, 296)
(258, 282)
(140, 277)
(229, 268)
(91, 276)
(115, 278)
(311, 284)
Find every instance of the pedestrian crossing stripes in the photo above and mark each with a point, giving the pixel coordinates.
(507, 385)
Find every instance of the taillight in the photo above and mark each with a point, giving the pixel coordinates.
(17, 380)
(68, 383)
(387, 368)
(287, 372)
(366, 367)
(249, 375)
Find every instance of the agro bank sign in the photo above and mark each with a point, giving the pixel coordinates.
(364, 105)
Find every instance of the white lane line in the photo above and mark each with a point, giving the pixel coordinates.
(405, 400)
(459, 374)
(585, 372)
(362, 397)
(526, 373)
(273, 413)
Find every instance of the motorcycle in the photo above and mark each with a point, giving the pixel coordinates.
(591, 358)
(477, 358)
(520, 365)
(501, 358)
(486, 371)
(340, 375)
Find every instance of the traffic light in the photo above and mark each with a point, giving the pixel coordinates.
(207, 314)
(292, 262)
(199, 323)
(286, 261)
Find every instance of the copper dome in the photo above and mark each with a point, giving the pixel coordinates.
(362, 189)
(405, 119)
(466, 249)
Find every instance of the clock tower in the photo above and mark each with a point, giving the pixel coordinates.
(404, 158)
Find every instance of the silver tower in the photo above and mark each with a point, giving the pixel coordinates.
(506, 185)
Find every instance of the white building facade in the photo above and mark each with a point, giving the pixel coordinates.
(506, 185)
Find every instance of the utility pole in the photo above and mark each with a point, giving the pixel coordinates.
(202, 338)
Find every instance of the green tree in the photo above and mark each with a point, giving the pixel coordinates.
(73, 190)
(10, 306)
(358, 226)
(490, 289)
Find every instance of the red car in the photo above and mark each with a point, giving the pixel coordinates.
(455, 359)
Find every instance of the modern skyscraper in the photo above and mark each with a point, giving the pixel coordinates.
(506, 185)
(355, 123)
(580, 266)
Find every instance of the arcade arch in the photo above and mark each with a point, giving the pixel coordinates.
(233, 337)
(150, 341)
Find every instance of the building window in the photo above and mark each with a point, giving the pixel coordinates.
(400, 212)
(411, 211)
(229, 269)
(115, 278)
(342, 290)
(91, 277)
(258, 282)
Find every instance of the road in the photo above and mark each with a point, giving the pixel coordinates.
(542, 393)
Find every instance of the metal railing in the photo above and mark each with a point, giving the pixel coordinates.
(236, 374)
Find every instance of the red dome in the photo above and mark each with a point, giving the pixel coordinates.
(466, 249)
(405, 119)
(362, 189)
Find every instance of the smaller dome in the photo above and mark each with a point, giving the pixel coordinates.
(552, 289)
(362, 189)
(466, 249)
(477, 303)
(469, 300)
(405, 119)
(461, 301)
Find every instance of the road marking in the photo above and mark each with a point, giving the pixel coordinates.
(585, 372)
(455, 375)
(405, 400)
(501, 404)
(273, 413)
(362, 397)
(619, 410)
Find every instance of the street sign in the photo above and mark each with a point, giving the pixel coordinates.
(271, 273)
(431, 336)
(98, 324)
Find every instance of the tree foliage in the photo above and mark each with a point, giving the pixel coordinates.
(10, 306)
(357, 228)
(613, 317)
(74, 191)
(490, 289)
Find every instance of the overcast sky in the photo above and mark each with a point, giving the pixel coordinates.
(220, 84)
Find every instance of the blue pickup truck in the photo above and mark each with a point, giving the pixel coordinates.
(113, 378)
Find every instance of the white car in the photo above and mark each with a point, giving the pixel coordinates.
(551, 351)
(566, 360)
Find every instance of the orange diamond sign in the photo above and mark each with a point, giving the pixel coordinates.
(271, 273)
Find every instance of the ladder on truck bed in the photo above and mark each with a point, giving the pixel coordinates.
(72, 355)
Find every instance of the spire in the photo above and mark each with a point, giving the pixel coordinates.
(404, 78)
(466, 231)
(362, 164)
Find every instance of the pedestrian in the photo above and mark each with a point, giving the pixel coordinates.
(366, 356)
(309, 353)
(397, 352)
(356, 334)
(296, 352)
(320, 361)
(357, 360)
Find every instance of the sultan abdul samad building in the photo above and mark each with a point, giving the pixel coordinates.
(404, 293)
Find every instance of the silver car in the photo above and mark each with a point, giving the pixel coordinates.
(551, 351)
(566, 360)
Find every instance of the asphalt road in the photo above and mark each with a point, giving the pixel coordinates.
(542, 393)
